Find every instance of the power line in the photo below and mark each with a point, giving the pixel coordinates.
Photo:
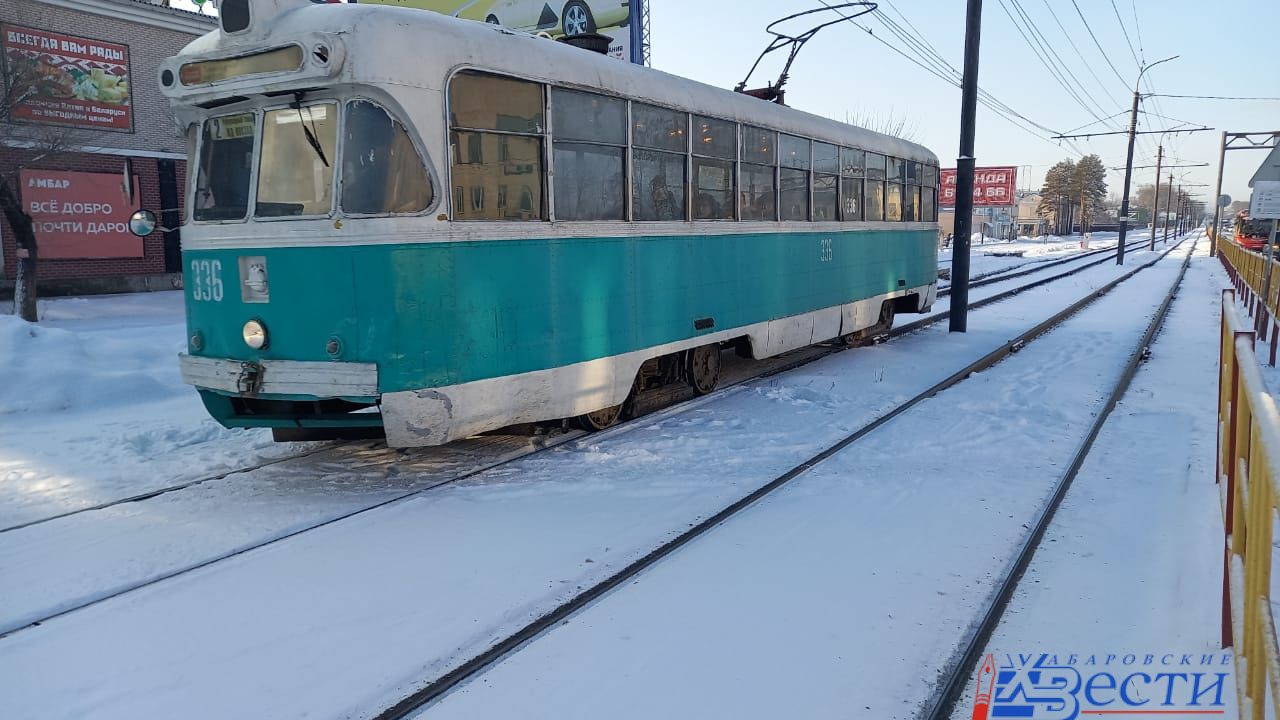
(950, 76)
(1214, 97)
(1137, 25)
(1098, 44)
(1125, 31)
(1042, 52)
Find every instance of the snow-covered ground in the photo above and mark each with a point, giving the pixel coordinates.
(854, 582)
(1132, 562)
(94, 408)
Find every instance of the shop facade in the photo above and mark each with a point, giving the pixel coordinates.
(83, 111)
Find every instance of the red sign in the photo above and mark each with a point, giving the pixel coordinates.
(992, 186)
(80, 215)
(67, 80)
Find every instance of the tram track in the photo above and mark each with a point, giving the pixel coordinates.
(802, 357)
(387, 457)
(955, 679)
(1018, 271)
(464, 671)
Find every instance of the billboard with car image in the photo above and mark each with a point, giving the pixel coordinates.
(614, 19)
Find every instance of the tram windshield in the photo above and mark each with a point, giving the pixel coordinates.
(298, 148)
(298, 158)
(226, 164)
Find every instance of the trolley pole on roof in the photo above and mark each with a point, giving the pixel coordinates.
(959, 316)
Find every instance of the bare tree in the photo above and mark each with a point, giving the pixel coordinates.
(44, 144)
(885, 122)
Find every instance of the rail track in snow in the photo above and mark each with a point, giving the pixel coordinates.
(971, 646)
(669, 399)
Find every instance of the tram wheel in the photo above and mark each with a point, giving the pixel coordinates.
(703, 368)
(883, 324)
(492, 20)
(600, 419)
(577, 18)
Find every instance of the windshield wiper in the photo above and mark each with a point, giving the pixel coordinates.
(308, 132)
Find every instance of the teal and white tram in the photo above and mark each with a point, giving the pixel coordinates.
(440, 227)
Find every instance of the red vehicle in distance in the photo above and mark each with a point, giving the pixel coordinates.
(1251, 234)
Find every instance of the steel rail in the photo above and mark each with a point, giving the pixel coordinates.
(477, 664)
(822, 351)
(955, 681)
(178, 486)
(1017, 271)
(816, 353)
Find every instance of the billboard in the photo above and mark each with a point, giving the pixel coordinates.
(612, 18)
(992, 187)
(67, 80)
(80, 215)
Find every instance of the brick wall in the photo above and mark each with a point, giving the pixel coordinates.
(148, 176)
(145, 29)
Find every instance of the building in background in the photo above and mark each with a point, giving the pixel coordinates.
(95, 112)
(1029, 221)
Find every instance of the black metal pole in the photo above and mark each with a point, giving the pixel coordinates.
(1128, 178)
(1168, 206)
(1156, 205)
(959, 318)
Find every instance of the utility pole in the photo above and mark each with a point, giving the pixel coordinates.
(959, 316)
(1217, 203)
(1169, 206)
(1128, 175)
(1132, 132)
(1156, 197)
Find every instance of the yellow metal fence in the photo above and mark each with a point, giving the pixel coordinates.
(1248, 271)
(1247, 470)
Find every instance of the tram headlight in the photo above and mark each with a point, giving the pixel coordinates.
(255, 334)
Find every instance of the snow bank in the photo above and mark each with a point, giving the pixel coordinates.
(57, 369)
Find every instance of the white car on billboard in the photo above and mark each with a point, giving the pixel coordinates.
(574, 17)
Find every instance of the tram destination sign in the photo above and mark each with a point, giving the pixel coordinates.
(67, 80)
(992, 187)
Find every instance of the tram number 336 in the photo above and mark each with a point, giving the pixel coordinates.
(825, 250)
(206, 280)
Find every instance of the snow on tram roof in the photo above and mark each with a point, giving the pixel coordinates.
(466, 44)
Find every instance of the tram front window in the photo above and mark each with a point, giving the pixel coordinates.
(222, 181)
(299, 149)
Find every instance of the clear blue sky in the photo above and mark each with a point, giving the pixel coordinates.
(1225, 48)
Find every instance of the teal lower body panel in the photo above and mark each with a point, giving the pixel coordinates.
(440, 315)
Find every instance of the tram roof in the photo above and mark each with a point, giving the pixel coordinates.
(466, 44)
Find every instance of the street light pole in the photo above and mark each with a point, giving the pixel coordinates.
(959, 316)
(1128, 163)
(1168, 205)
(1217, 204)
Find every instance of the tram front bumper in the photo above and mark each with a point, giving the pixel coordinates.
(281, 377)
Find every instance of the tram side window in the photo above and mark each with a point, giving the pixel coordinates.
(852, 169)
(295, 172)
(496, 127)
(590, 138)
(873, 202)
(661, 140)
(715, 144)
(929, 194)
(759, 182)
(826, 165)
(894, 171)
(382, 172)
(793, 178)
(226, 164)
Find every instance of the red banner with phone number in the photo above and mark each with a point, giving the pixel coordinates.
(992, 187)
